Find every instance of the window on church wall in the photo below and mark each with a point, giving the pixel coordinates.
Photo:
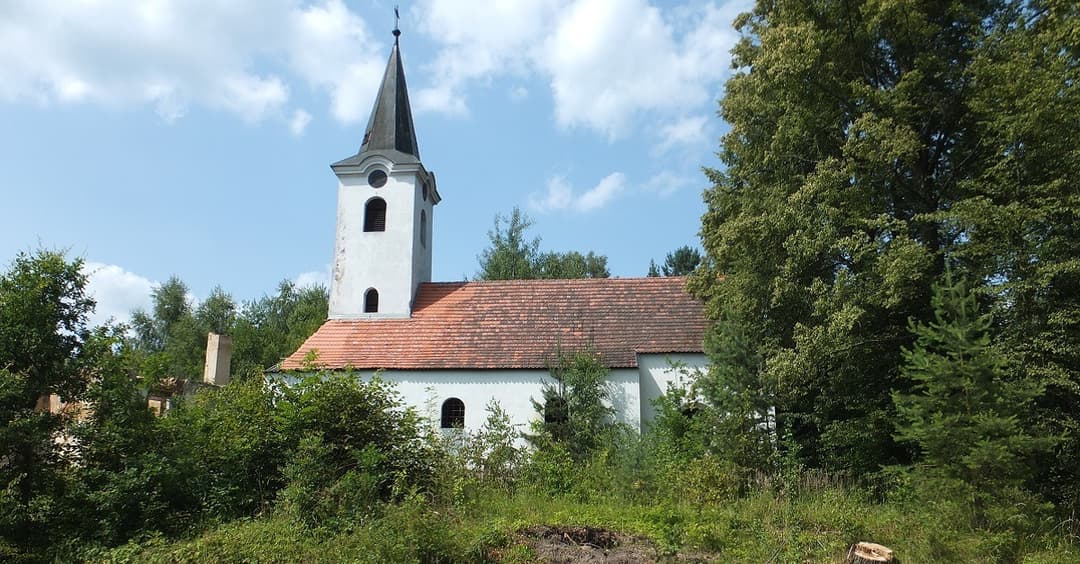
(371, 301)
(377, 179)
(423, 228)
(375, 215)
(453, 414)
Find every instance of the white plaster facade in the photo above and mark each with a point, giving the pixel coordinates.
(393, 262)
(632, 390)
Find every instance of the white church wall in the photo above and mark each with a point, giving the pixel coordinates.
(364, 260)
(657, 371)
(512, 389)
(422, 249)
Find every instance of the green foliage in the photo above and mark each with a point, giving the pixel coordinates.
(322, 492)
(680, 262)
(128, 481)
(965, 412)
(43, 338)
(234, 439)
(574, 412)
(513, 256)
(171, 341)
(816, 526)
(493, 452)
(272, 327)
(43, 313)
(870, 144)
(349, 415)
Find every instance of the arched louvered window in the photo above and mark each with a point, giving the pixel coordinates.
(423, 228)
(453, 414)
(371, 301)
(375, 215)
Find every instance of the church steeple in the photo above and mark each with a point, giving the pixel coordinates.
(386, 209)
(390, 127)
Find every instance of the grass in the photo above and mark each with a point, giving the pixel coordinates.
(815, 526)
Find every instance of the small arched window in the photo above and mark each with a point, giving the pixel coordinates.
(423, 228)
(375, 215)
(453, 414)
(371, 301)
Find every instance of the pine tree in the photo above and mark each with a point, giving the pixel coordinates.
(968, 414)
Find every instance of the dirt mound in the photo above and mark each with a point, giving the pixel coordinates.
(586, 544)
(562, 544)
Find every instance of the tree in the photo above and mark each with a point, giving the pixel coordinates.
(513, 256)
(574, 413)
(868, 146)
(272, 327)
(43, 337)
(167, 340)
(571, 265)
(1019, 215)
(130, 478)
(680, 262)
(217, 313)
(965, 412)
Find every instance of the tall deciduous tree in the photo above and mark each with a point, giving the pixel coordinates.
(43, 336)
(1019, 215)
(512, 255)
(272, 327)
(870, 143)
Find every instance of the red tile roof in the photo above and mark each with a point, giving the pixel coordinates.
(516, 324)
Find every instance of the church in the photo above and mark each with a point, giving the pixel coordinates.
(452, 347)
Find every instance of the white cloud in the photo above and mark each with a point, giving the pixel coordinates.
(331, 47)
(442, 99)
(117, 291)
(557, 197)
(241, 56)
(607, 62)
(479, 39)
(665, 184)
(610, 60)
(560, 195)
(313, 278)
(689, 130)
(599, 196)
(299, 122)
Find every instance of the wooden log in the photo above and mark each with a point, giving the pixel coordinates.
(869, 553)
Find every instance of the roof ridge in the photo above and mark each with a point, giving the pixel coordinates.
(653, 279)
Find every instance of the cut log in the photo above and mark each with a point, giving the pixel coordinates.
(869, 553)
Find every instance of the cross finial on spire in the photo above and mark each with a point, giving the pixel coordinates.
(397, 32)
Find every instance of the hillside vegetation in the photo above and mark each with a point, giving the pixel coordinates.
(892, 261)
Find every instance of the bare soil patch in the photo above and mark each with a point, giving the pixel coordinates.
(564, 544)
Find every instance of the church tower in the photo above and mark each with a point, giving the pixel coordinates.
(386, 203)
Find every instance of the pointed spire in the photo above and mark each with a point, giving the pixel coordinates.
(391, 125)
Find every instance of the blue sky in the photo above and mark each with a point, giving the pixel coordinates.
(193, 138)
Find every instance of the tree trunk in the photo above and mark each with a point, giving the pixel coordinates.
(869, 553)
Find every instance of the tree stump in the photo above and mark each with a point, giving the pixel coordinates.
(869, 553)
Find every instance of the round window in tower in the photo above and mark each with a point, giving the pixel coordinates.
(377, 179)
